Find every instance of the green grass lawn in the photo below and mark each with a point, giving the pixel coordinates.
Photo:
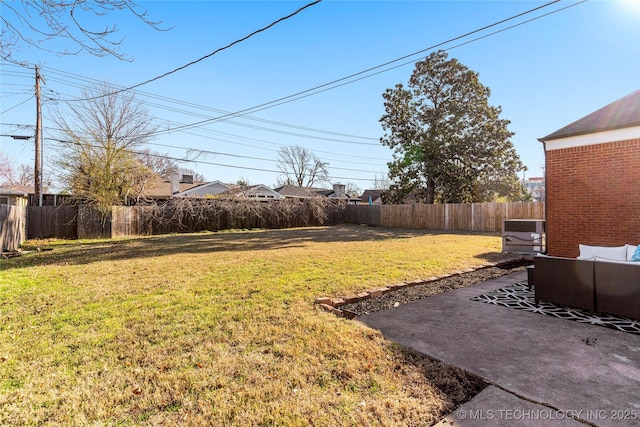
(219, 329)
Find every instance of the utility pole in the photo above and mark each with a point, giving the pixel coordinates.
(37, 171)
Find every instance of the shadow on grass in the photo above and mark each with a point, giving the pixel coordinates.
(78, 253)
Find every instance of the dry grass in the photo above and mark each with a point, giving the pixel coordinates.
(220, 329)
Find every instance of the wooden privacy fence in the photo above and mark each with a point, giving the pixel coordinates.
(455, 217)
(72, 222)
(12, 227)
(45, 222)
(83, 222)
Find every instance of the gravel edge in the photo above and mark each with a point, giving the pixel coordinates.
(395, 295)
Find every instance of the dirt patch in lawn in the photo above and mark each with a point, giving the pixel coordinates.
(412, 293)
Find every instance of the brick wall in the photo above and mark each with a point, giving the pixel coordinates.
(593, 196)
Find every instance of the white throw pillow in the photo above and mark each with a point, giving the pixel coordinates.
(630, 251)
(615, 261)
(614, 253)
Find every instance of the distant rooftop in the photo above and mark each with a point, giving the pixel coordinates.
(299, 192)
(12, 191)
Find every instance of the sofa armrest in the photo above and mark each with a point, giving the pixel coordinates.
(565, 281)
(618, 288)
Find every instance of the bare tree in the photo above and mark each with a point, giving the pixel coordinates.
(100, 135)
(158, 163)
(6, 169)
(23, 176)
(381, 182)
(31, 24)
(301, 167)
(352, 190)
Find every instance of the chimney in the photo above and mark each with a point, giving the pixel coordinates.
(187, 179)
(175, 183)
(339, 191)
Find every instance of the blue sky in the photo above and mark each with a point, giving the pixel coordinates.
(544, 74)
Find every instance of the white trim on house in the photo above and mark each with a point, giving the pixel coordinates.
(593, 138)
(262, 192)
(206, 189)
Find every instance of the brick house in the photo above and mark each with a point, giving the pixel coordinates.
(593, 179)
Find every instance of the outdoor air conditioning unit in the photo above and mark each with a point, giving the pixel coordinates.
(523, 236)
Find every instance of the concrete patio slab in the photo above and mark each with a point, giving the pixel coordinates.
(586, 370)
(496, 407)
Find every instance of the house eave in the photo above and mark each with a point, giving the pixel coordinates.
(593, 138)
(556, 135)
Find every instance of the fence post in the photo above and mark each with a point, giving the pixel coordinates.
(473, 217)
(446, 216)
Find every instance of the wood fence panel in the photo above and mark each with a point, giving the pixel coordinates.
(499, 213)
(407, 218)
(67, 221)
(127, 221)
(459, 217)
(525, 210)
(46, 222)
(361, 214)
(419, 217)
(439, 217)
(477, 218)
(92, 224)
(12, 227)
(121, 221)
(482, 216)
(486, 217)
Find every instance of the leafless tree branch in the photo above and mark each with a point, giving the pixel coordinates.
(32, 24)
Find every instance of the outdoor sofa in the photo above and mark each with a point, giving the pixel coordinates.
(602, 280)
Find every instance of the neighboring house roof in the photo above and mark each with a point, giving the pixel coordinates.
(162, 189)
(6, 191)
(374, 194)
(205, 189)
(262, 192)
(27, 189)
(623, 113)
(300, 192)
(324, 192)
(337, 193)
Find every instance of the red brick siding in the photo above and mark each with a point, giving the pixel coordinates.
(593, 196)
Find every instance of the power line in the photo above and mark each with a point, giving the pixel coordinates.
(218, 153)
(235, 123)
(324, 87)
(284, 18)
(202, 107)
(351, 156)
(285, 100)
(296, 95)
(17, 105)
(315, 89)
(17, 125)
(344, 82)
(179, 159)
(279, 145)
(240, 156)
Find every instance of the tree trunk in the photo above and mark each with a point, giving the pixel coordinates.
(431, 189)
